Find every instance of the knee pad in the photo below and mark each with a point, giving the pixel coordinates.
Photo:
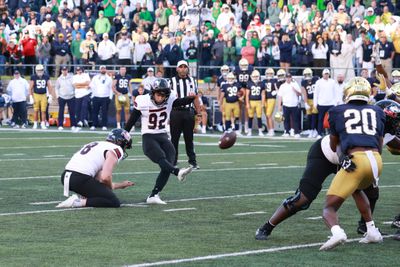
(290, 203)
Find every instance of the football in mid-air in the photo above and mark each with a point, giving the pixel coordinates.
(227, 140)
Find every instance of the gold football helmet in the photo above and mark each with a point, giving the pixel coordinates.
(281, 74)
(243, 64)
(357, 88)
(224, 70)
(396, 76)
(278, 117)
(396, 89)
(269, 73)
(307, 73)
(230, 78)
(255, 76)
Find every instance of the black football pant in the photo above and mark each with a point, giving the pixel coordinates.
(97, 194)
(182, 120)
(159, 149)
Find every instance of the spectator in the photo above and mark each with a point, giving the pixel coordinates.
(109, 8)
(65, 29)
(106, 50)
(339, 86)
(386, 53)
(101, 86)
(205, 55)
(273, 12)
(285, 17)
(140, 51)
(276, 54)
(395, 36)
(61, 50)
(302, 16)
(346, 59)
(81, 82)
(89, 18)
(325, 97)
(65, 92)
(43, 53)
(335, 51)
(102, 24)
(3, 49)
(191, 55)
(76, 49)
(285, 48)
(125, 49)
(248, 52)
(161, 15)
(47, 24)
(173, 20)
(229, 54)
(224, 17)
(357, 10)
(149, 80)
(146, 17)
(18, 89)
(172, 55)
(13, 56)
(85, 48)
(370, 16)
(29, 45)
(187, 39)
(304, 55)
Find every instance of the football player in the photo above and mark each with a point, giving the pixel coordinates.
(154, 109)
(230, 99)
(271, 89)
(122, 89)
(221, 81)
(40, 87)
(281, 77)
(255, 101)
(89, 172)
(307, 87)
(358, 129)
(321, 162)
(242, 73)
(395, 76)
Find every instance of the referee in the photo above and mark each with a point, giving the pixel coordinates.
(183, 118)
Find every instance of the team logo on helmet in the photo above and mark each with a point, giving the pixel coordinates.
(121, 138)
(357, 88)
(161, 87)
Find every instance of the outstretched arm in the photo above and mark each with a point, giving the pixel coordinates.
(183, 101)
(135, 115)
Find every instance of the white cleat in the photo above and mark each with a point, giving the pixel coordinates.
(69, 202)
(260, 133)
(249, 133)
(285, 135)
(271, 133)
(296, 136)
(92, 128)
(60, 128)
(34, 125)
(373, 236)
(155, 200)
(43, 126)
(339, 238)
(183, 173)
(104, 128)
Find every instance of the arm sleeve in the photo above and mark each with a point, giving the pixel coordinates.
(182, 101)
(135, 115)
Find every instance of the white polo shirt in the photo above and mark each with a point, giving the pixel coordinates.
(81, 78)
(288, 93)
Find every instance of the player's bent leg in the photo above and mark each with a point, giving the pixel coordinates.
(372, 193)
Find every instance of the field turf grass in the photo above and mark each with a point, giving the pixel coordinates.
(214, 213)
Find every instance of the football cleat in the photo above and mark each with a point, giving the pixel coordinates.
(336, 239)
(194, 166)
(155, 200)
(397, 236)
(396, 222)
(183, 173)
(262, 234)
(372, 236)
(69, 202)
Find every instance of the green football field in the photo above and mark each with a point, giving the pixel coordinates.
(210, 219)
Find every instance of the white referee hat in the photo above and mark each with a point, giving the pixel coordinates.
(182, 62)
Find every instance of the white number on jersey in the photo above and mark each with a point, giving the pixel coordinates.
(367, 117)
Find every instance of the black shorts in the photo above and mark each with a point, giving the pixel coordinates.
(157, 147)
(318, 168)
(97, 194)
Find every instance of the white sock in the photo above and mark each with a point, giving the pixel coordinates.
(35, 123)
(370, 225)
(336, 230)
(118, 125)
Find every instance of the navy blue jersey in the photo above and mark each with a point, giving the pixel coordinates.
(243, 76)
(271, 87)
(256, 90)
(357, 125)
(221, 80)
(122, 85)
(280, 82)
(40, 83)
(309, 86)
(231, 91)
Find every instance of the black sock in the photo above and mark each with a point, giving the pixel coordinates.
(268, 227)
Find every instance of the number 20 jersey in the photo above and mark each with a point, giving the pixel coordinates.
(154, 117)
(357, 125)
(90, 158)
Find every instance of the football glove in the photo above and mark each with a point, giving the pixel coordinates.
(50, 99)
(306, 106)
(346, 163)
(382, 82)
(31, 100)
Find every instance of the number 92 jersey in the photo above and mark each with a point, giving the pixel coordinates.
(357, 125)
(40, 83)
(90, 158)
(154, 117)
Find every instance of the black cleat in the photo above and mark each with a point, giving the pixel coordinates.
(194, 166)
(262, 234)
(396, 222)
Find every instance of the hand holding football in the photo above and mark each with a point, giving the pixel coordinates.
(227, 140)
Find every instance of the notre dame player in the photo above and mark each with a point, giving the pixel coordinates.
(307, 87)
(230, 99)
(122, 89)
(89, 172)
(255, 101)
(155, 109)
(281, 77)
(271, 88)
(242, 73)
(221, 81)
(321, 162)
(357, 129)
(40, 86)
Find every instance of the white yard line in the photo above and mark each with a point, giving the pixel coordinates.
(181, 209)
(53, 156)
(267, 164)
(222, 162)
(14, 154)
(237, 254)
(314, 218)
(249, 213)
(40, 211)
(389, 222)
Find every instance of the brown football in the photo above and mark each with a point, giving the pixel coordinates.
(240, 93)
(227, 140)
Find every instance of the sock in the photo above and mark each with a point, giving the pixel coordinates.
(336, 230)
(228, 125)
(370, 225)
(268, 227)
(259, 123)
(250, 124)
(118, 125)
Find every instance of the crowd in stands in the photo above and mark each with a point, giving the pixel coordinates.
(143, 33)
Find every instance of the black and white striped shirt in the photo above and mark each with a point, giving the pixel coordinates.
(183, 86)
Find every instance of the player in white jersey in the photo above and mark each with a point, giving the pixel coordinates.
(89, 172)
(154, 110)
